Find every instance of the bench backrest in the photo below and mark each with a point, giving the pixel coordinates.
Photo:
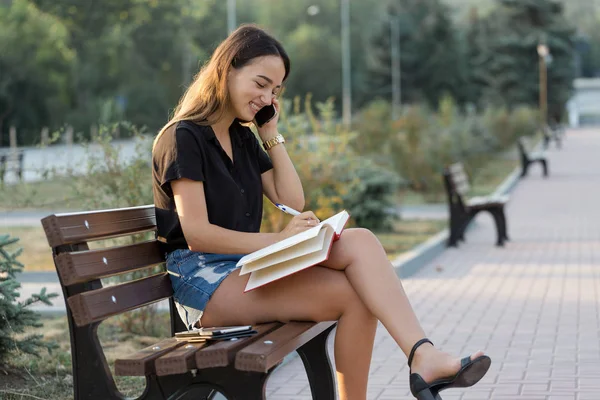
(459, 179)
(80, 269)
(457, 185)
(11, 160)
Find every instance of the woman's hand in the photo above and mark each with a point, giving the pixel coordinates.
(298, 224)
(269, 130)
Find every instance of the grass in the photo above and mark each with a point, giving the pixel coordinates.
(46, 194)
(408, 234)
(48, 375)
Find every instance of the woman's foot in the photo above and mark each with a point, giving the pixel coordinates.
(433, 364)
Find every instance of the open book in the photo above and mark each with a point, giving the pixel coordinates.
(292, 254)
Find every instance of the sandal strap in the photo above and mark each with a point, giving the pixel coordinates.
(412, 351)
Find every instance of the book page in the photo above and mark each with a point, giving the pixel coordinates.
(281, 245)
(278, 271)
(337, 222)
(307, 247)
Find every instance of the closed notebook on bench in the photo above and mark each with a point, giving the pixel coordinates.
(293, 254)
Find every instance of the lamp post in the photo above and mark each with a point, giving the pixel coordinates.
(231, 11)
(543, 53)
(346, 81)
(395, 67)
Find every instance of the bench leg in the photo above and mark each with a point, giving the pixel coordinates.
(464, 223)
(318, 368)
(455, 223)
(524, 168)
(544, 167)
(504, 226)
(496, 214)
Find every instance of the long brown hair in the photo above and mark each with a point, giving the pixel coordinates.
(205, 99)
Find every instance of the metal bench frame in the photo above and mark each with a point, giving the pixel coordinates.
(463, 210)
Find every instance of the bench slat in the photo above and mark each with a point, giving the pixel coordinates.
(141, 363)
(84, 266)
(97, 305)
(179, 361)
(261, 356)
(72, 228)
(206, 355)
(459, 178)
(222, 353)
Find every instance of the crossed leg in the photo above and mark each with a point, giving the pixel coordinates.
(355, 286)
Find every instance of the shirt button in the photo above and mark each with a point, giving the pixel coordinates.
(247, 214)
(242, 191)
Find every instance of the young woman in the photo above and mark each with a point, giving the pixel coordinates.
(209, 176)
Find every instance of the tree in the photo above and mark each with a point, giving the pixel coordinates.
(35, 63)
(430, 59)
(15, 316)
(507, 59)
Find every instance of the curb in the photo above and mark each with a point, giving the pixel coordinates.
(412, 261)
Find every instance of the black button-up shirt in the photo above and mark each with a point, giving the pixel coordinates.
(233, 190)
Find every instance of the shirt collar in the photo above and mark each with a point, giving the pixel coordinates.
(235, 129)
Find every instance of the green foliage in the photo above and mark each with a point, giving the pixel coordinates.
(423, 141)
(505, 60)
(431, 58)
(111, 181)
(35, 62)
(334, 176)
(15, 317)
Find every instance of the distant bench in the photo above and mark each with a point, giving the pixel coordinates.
(553, 133)
(529, 158)
(173, 370)
(11, 160)
(463, 210)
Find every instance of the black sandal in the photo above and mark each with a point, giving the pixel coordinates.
(470, 372)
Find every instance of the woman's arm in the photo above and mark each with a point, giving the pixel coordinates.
(282, 183)
(203, 236)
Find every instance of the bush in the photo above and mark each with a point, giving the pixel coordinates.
(421, 142)
(14, 315)
(331, 171)
(112, 182)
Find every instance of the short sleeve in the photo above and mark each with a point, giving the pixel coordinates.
(264, 162)
(180, 156)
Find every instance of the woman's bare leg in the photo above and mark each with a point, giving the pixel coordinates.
(360, 255)
(315, 294)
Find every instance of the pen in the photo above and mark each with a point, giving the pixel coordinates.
(286, 209)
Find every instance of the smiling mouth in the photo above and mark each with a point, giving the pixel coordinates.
(254, 107)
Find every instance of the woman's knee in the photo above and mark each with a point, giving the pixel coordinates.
(361, 237)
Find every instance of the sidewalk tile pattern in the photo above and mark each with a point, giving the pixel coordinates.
(533, 305)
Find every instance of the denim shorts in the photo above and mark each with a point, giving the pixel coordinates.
(195, 277)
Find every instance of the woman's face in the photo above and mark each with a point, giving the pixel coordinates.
(255, 85)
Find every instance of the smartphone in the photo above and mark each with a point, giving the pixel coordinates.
(215, 331)
(265, 114)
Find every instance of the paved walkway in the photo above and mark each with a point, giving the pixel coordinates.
(533, 305)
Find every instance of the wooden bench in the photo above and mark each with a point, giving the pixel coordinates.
(528, 158)
(463, 210)
(11, 160)
(553, 133)
(174, 370)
